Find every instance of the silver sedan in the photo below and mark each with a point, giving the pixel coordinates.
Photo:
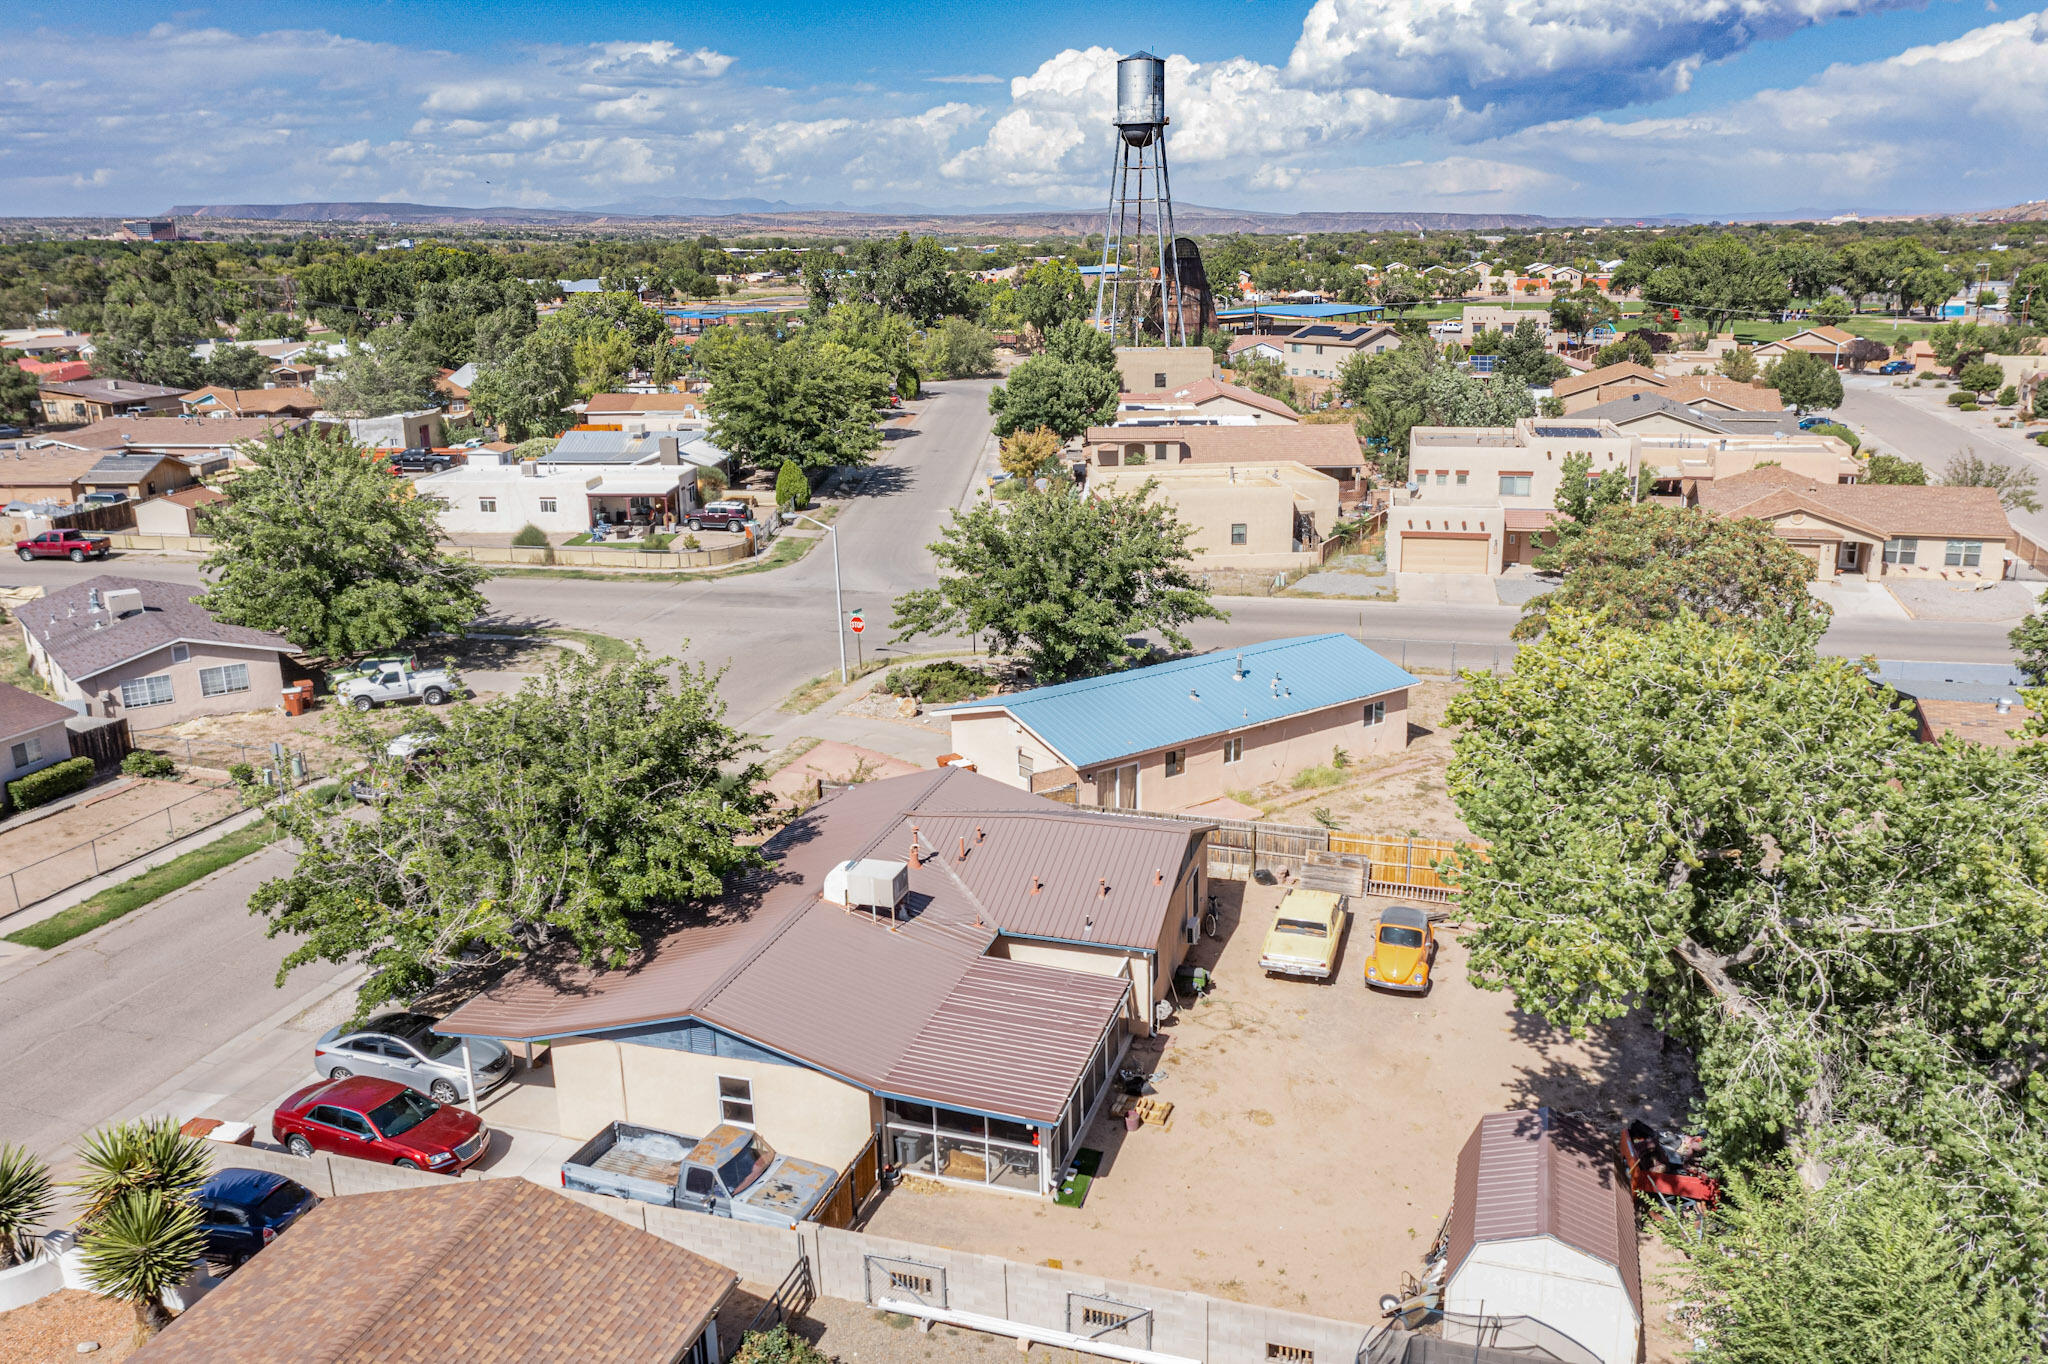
(404, 1047)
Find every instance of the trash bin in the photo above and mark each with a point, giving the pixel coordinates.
(294, 701)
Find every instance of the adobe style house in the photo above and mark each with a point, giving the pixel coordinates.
(957, 961)
(143, 651)
(468, 1269)
(1176, 736)
(1321, 350)
(1148, 369)
(1205, 400)
(1270, 517)
(1874, 529)
(1826, 342)
(1330, 448)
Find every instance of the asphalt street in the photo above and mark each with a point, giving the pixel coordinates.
(1926, 430)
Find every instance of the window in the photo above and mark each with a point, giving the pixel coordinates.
(1233, 751)
(1514, 485)
(224, 679)
(180, 653)
(1237, 532)
(1901, 551)
(1443, 476)
(25, 752)
(1025, 765)
(487, 504)
(547, 504)
(1464, 476)
(1963, 553)
(1176, 761)
(1158, 379)
(147, 691)
(736, 1100)
(1375, 712)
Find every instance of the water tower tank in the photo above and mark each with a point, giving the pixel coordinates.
(1140, 97)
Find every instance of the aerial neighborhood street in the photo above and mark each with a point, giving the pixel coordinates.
(703, 779)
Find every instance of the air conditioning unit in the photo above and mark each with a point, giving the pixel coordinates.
(870, 883)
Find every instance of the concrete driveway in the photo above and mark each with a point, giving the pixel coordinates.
(1462, 589)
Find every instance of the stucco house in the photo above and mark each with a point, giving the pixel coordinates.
(32, 734)
(1272, 517)
(939, 955)
(1331, 448)
(144, 651)
(1148, 369)
(1875, 529)
(1206, 400)
(1176, 736)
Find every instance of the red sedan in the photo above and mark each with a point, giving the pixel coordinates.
(382, 1120)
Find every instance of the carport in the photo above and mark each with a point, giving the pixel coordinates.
(641, 496)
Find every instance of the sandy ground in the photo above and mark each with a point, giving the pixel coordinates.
(131, 817)
(52, 1328)
(833, 762)
(1315, 1133)
(851, 1331)
(1399, 794)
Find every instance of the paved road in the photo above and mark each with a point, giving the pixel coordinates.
(92, 1029)
(1925, 430)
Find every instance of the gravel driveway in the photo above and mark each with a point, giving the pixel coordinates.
(1928, 599)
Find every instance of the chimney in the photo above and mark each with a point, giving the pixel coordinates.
(669, 447)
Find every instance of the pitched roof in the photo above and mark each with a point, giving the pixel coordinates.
(126, 465)
(22, 710)
(64, 624)
(1533, 1172)
(644, 402)
(1098, 719)
(1210, 390)
(46, 466)
(1770, 491)
(1642, 403)
(1712, 389)
(112, 391)
(912, 1006)
(1316, 444)
(1606, 374)
(196, 495)
(56, 371)
(1326, 334)
(499, 1271)
(173, 433)
(251, 401)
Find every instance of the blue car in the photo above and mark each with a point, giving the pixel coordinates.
(1808, 423)
(1896, 367)
(242, 1211)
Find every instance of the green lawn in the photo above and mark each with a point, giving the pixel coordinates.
(154, 884)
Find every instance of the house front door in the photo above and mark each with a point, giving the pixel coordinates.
(1852, 558)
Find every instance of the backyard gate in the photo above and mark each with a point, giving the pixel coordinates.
(1098, 1318)
(850, 1192)
(886, 1276)
(106, 744)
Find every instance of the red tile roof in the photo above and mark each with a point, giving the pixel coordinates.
(1210, 390)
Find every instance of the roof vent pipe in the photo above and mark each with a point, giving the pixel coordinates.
(1104, 883)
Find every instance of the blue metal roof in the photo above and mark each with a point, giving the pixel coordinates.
(1982, 682)
(1300, 310)
(707, 313)
(1100, 718)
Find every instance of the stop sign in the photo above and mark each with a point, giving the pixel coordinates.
(858, 624)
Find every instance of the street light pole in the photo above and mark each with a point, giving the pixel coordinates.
(838, 602)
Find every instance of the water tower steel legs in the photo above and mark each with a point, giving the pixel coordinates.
(1119, 289)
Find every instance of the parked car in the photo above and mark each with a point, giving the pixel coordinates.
(103, 498)
(1306, 931)
(721, 516)
(1818, 419)
(731, 1172)
(420, 462)
(404, 1047)
(369, 1118)
(10, 432)
(1896, 367)
(1403, 948)
(368, 667)
(74, 545)
(242, 1211)
(398, 683)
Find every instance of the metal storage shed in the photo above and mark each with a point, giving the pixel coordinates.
(1543, 1226)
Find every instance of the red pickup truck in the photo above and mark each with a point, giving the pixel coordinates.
(63, 544)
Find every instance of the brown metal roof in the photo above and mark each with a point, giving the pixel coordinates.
(1532, 1172)
(497, 1271)
(1010, 1038)
(893, 1006)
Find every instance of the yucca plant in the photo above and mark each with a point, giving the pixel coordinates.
(143, 1243)
(151, 1154)
(26, 1196)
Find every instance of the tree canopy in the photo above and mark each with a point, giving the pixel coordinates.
(319, 543)
(2014, 483)
(1069, 388)
(380, 378)
(556, 822)
(1066, 580)
(1804, 381)
(1640, 565)
(809, 400)
(1895, 469)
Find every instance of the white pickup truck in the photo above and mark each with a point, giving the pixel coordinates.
(396, 682)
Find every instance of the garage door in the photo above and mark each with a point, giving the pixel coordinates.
(1443, 556)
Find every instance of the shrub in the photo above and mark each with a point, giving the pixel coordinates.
(145, 763)
(1980, 376)
(942, 683)
(792, 489)
(1958, 399)
(531, 536)
(1969, 407)
(59, 779)
(1327, 775)
(692, 542)
(779, 1346)
(2009, 396)
(241, 774)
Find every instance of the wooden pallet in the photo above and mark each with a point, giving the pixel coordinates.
(1155, 1112)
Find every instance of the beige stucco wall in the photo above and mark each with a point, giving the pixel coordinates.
(1484, 454)
(992, 743)
(266, 681)
(801, 1112)
(1212, 498)
(1462, 519)
(1143, 367)
(1272, 752)
(54, 742)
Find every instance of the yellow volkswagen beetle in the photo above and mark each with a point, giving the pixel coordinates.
(1304, 936)
(1403, 947)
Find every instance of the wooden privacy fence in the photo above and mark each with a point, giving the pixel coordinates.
(855, 1185)
(1239, 848)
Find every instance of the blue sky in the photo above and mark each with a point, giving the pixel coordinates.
(1543, 106)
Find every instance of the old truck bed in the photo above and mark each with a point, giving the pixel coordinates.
(625, 1161)
(653, 1156)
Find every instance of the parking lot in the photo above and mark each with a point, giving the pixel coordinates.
(1314, 1134)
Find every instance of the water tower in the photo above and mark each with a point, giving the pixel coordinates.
(1146, 287)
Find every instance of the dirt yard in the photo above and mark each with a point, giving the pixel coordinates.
(1400, 794)
(124, 819)
(53, 1328)
(1315, 1130)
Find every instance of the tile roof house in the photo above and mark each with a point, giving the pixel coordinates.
(1982, 703)
(218, 402)
(56, 371)
(489, 1271)
(1173, 736)
(172, 435)
(1826, 342)
(144, 650)
(1543, 1227)
(937, 952)
(1877, 529)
